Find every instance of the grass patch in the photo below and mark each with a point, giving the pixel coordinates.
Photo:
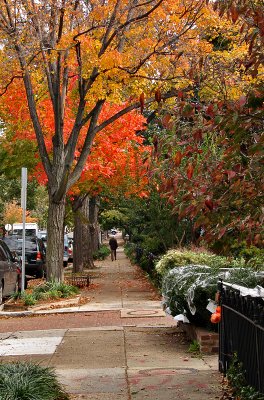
(47, 291)
(194, 347)
(28, 381)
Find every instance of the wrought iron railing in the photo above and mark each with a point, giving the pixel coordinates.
(241, 332)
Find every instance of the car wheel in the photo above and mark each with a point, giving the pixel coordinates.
(1, 293)
(40, 274)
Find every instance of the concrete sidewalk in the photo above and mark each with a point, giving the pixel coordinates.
(142, 356)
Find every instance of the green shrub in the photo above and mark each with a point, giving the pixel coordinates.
(54, 290)
(28, 381)
(186, 290)
(178, 258)
(16, 295)
(102, 253)
(152, 245)
(253, 256)
(236, 379)
(28, 299)
(129, 250)
(49, 290)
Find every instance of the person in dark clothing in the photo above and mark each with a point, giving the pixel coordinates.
(113, 246)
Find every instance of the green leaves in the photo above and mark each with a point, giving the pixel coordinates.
(28, 381)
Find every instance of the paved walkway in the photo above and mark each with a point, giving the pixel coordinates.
(119, 346)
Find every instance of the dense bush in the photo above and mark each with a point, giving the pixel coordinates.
(186, 290)
(102, 252)
(144, 258)
(178, 258)
(28, 381)
(253, 256)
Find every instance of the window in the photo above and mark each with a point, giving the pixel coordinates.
(2, 254)
(7, 252)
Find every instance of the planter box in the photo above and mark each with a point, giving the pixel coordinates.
(10, 306)
(78, 280)
(45, 305)
(208, 341)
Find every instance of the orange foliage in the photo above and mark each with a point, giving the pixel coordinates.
(115, 159)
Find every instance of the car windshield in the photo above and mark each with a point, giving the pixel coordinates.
(28, 231)
(16, 243)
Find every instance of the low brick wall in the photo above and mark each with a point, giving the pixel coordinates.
(208, 341)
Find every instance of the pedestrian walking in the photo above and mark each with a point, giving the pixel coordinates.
(113, 246)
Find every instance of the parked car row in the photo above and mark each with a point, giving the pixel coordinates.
(10, 272)
(35, 260)
(35, 254)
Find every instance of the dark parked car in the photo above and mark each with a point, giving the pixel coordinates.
(10, 272)
(35, 254)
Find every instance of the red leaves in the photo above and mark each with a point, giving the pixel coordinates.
(222, 232)
(198, 135)
(180, 94)
(171, 200)
(142, 102)
(210, 110)
(230, 174)
(166, 121)
(155, 144)
(158, 96)
(177, 158)
(189, 171)
(234, 13)
(209, 204)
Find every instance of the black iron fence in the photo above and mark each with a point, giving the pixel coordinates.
(241, 332)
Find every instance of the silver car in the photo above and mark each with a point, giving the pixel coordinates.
(10, 272)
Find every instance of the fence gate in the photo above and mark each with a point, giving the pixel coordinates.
(241, 331)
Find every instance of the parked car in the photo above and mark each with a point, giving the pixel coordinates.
(31, 229)
(70, 250)
(35, 254)
(10, 272)
(43, 236)
(66, 251)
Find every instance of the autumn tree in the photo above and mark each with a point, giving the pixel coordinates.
(87, 53)
(13, 213)
(250, 15)
(115, 164)
(210, 157)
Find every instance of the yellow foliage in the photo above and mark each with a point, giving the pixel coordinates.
(13, 213)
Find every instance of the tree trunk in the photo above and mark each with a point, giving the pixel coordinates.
(77, 243)
(82, 251)
(55, 241)
(86, 240)
(93, 223)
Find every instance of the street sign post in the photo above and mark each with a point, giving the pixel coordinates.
(8, 227)
(24, 208)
